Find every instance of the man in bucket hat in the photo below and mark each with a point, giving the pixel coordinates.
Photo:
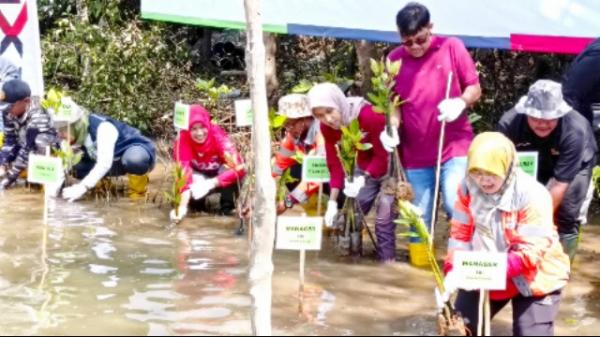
(543, 122)
(303, 136)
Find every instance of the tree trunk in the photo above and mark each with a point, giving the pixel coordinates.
(271, 65)
(204, 45)
(365, 50)
(261, 247)
(84, 17)
(82, 10)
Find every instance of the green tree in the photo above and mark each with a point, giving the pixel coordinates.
(118, 65)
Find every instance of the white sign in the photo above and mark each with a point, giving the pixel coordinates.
(181, 117)
(44, 169)
(243, 112)
(299, 233)
(20, 41)
(480, 270)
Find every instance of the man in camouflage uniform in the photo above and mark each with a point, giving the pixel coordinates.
(28, 128)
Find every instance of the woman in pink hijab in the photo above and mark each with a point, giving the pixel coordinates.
(334, 110)
(212, 163)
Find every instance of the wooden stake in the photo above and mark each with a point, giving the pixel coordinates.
(484, 321)
(319, 200)
(46, 193)
(301, 278)
(439, 168)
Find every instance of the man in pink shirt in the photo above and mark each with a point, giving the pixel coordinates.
(427, 61)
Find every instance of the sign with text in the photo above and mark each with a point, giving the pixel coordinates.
(44, 170)
(481, 270)
(314, 169)
(20, 43)
(528, 162)
(181, 118)
(243, 112)
(299, 233)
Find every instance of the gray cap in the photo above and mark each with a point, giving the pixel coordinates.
(544, 100)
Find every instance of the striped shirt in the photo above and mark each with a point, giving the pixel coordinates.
(33, 132)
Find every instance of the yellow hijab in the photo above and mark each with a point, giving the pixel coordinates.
(491, 152)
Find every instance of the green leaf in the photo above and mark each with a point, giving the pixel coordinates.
(474, 117)
(379, 110)
(298, 157)
(403, 221)
(279, 121)
(374, 66)
(364, 147)
(394, 68)
(303, 87)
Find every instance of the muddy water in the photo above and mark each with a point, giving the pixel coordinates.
(118, 270)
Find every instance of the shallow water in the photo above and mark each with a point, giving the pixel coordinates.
(119, 270)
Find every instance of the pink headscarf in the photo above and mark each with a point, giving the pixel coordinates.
(329, 95)
(188, 147)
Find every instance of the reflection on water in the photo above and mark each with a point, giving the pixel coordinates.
(118, 271)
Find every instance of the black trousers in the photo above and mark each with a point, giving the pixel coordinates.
(532, 316)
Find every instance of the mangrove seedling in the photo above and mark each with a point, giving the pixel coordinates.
(450, 322)
(282, 190)
(70, 158)
(302, 87)
(213, 93)
(276, 123)
(53, 100)
(173, 196)
(385, 101)
(596, 179)
(349, 220)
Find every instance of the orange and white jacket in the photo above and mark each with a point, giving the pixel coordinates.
(313, 144)
(537, 264)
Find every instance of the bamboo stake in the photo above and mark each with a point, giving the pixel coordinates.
(439, 167)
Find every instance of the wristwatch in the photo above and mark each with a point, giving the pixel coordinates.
(289, 203)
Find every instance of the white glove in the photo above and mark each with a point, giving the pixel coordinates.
(200, 188)
(181, 213)
(74, 192)
(439, 299)
(53, 190)
(352, 189)
(332, 210)
(451, 285)
(451, 108)
(389, 142)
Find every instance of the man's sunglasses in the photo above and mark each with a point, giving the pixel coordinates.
(421, 40)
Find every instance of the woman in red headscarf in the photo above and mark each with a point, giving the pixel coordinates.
(212, 163)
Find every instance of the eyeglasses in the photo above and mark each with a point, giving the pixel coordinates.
(420, 40)
(478, 175)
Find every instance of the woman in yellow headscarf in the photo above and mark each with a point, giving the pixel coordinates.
(502, 209)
